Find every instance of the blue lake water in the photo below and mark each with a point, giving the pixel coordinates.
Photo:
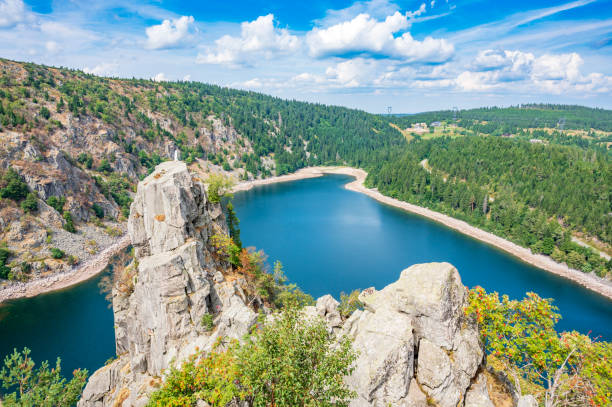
(329, 240)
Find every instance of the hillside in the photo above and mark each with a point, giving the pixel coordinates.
(74, 146)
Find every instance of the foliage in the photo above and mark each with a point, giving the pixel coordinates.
(521, 336)
(98, 210)
(290, 362)
(43, 386)
(225, 248)
(4, 256)
(207, 322)
(349, 303)
(57, 203)
(286, 362)
(218, 186)
(12, 186)
(57, 253)
(233, 225)
(68, 223)
(30, 203)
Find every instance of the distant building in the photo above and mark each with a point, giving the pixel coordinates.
(536, 141)
(436, 124)
(507, 135)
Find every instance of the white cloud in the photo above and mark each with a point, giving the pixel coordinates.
(105, 68)
(258, 38)
(52, 47)
(187, 78)
(416, 13)
(551, 73)
(170, 33)
(12, 12)
(352, 73)
(364, 35)
(160, 77)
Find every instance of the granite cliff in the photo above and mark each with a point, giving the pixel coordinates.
(416, 347)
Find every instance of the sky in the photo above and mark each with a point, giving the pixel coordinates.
(411, 56)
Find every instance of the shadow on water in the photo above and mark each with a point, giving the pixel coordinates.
(330, 239)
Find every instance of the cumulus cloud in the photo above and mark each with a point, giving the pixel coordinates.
(258, 38)
(352, 73)
(160, 77)
(173, 33)
(105, 68)
(553, 73)
(12, 12)
(367, 36)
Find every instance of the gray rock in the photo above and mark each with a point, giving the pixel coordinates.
(478, 395)
(527, 401)
(327, 307)
(416, 397)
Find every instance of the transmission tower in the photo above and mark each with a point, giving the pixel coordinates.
(389, 110)
(455, 111)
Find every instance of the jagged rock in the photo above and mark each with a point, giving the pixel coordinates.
(158, 309)
(327, 307)
(385, 363)
(416, 397)
(527, 401)
(478, 395)
(426, 306)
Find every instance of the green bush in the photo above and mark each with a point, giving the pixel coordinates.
(286, 362)
(57, 203)
(57, 253)
(38, 387)
(349, 303)
(104, 166)
(44, 112)
(30, 204)
(207, 322)
(13, 186)
(98, 210)
(69, 224)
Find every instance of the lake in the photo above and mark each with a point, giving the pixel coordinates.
(329, 240)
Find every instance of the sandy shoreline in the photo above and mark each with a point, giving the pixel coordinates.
(64, 280)
(538, 260)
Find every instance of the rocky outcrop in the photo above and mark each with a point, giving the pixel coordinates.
(176, 280)
(415, 344)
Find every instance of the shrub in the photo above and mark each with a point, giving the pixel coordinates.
(218, 185)
(69, 224)
(4, 256)
(13, 186)
(98, 210)
(30, 204)
(44, 112)
(207, 322)
(38, 387)
(349, 303)
(57, 203)
(104, 166)
(57, 253)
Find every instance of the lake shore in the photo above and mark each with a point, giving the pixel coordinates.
(67, 279)
(543, 262)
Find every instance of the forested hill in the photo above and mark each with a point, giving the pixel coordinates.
(74, 145)
(525, 116)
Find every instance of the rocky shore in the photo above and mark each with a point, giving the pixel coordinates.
(589, 281)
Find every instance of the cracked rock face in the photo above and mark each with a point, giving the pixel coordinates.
(158, 309)
(415, 344)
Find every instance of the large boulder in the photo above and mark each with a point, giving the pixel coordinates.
(414, 340)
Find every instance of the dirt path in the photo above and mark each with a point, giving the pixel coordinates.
(69, 278)
(589, 281)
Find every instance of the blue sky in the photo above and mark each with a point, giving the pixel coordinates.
(411, 55)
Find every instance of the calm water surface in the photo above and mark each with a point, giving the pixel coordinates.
(329, 240)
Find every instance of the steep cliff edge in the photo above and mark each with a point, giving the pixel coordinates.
(415, 345)
(176, 279)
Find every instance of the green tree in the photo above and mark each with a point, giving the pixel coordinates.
(30, 203)
(57, 253)
(233, 225)
(218, 186)
(290, 362)
(57, 203)
(40, 387)
(520, 336)
(13, 186)
(68, 223)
